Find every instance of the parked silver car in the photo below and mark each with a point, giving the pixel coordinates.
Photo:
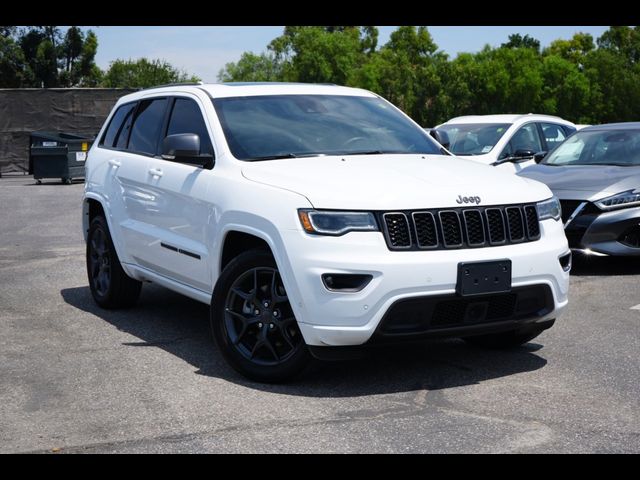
(596, 175)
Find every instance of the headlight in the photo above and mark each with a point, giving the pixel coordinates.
(336, 223)
(549, 209)
(629, 198)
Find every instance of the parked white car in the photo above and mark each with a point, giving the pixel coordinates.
(508, 141)
(312, 218)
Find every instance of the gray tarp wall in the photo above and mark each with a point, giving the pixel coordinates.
(24, 110)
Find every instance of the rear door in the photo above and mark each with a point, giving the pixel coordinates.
(180, 250)
(131, 190)
(125, 177)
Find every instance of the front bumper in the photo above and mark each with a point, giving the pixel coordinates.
(608, 233)
(329, 318)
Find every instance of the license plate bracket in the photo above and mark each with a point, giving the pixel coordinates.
(478, 278)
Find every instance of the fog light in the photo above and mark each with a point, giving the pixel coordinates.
(565, 261)
(345, 282)
(631, 238)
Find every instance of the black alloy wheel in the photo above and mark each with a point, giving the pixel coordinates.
(252, 320)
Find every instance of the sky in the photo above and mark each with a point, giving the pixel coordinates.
(203, 51)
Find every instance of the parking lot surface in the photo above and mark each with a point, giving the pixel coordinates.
(75, 378)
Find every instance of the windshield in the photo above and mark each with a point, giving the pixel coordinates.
(598, 147)
(474, 138)
(289, 126)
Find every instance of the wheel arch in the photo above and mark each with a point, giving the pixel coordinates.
(92, 205)
(249, 238)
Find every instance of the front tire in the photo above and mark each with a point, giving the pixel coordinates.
(252, 321)
(511, 339)
(110, 286)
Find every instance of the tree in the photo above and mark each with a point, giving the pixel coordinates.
(143, 73)
(322, 54)
(622, 40)
(51, 59)
(573, 50)
(518, 41)
(252, 68)
(12, 64)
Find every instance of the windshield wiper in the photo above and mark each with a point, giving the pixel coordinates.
(286, 155)
(273, 157)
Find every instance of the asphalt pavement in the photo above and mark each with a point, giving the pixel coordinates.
(75, 378)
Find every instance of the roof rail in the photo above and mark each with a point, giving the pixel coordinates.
(177, 84)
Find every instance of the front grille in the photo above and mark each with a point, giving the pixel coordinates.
(423, 315)
(461, 227)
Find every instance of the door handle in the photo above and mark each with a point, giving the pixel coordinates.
(115, 163)
(156, 172)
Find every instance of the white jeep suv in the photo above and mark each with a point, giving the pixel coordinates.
(511, 142)
(315, 218)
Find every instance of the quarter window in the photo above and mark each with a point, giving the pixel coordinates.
(187, 118)
(146, 126)
(118, 129)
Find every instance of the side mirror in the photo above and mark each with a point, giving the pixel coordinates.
(185, 148)
(522, 153)
(441, 137)
(539, 156)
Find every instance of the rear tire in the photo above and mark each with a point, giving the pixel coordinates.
(252, 321)
(110, 286)
(511, 339)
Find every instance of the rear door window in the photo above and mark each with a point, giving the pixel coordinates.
(119, 126)
(147, 124)
(553, 134)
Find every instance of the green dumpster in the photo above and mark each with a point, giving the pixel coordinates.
(58, 155)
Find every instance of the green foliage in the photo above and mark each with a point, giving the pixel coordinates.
(518, 41)
(252, 68)
(571, 78)
(44, 57)
(12, 63)
(577, 78)
(143, 73)
(49, 57)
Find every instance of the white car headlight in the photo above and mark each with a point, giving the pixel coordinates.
(549, 209)
(630, 198)
(326, 222)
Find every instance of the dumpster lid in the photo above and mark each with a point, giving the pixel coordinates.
(63, 137)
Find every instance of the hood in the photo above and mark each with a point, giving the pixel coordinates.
(585, 182)
(394, 182)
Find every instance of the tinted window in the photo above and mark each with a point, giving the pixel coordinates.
(474, 138)
(598, 147)
(187, 118)
(118, 130)
(264, 127)
(146, 126)
(526, 138)
(553, 134)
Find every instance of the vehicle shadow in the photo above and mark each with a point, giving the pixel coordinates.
(584, 265)
(180, 326)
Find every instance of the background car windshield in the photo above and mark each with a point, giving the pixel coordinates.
(474, 138)
(599, 147)
(274, 126)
